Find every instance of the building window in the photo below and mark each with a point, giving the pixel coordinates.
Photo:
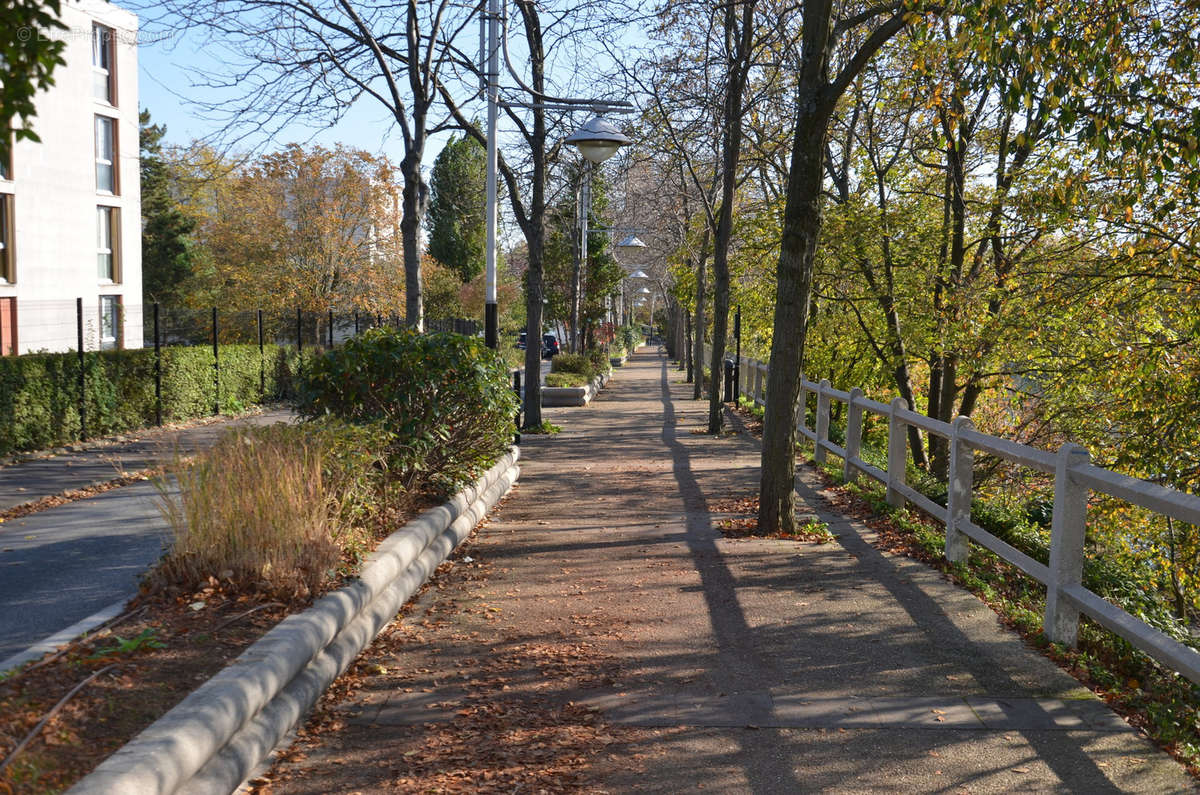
(106, 154)
(103, 83)
(8, 327)
(110, 322)
(6, 163)
(108, 244)
(8, 262)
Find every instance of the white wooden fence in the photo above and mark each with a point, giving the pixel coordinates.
(1074, 480)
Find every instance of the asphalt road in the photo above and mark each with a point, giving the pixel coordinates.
(26, 481)
(64, 564)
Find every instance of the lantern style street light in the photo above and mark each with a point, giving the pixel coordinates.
(597, 140)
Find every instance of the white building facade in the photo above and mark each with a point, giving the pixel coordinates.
(70, 206)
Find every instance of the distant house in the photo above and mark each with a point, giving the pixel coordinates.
(70, 208)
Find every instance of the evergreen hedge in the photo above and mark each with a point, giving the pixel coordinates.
(41, 391)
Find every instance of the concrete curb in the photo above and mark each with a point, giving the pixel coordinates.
(557, 396)
(64, 636)
(213, 739)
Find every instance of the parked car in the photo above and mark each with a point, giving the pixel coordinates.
(550, 346)
(521, 340)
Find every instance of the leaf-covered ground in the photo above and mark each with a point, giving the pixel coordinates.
(151, 658)
(491, 690)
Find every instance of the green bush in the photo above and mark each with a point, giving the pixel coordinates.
(445, 397)
(598, 358)
(629, 337)
(42, 409)
(558, 380)
(573, 363)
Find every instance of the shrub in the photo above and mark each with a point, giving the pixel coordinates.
(629, 337)
(598, 358)
(566, 380)
(272, 508)
(573, 363)
(445, 398)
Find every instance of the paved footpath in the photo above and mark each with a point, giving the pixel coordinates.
(85, 464)
(757, 666)
(68, 568)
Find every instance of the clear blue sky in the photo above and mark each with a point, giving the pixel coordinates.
(166, 84)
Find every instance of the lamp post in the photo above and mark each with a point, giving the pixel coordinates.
(629, 244)
(600, 139)
(597, 140)
(637, 274)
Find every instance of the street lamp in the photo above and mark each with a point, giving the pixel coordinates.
(630, 243)
(597, 140)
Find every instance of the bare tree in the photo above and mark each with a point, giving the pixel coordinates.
(295, 60)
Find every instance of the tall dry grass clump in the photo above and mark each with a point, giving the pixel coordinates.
(266, 508)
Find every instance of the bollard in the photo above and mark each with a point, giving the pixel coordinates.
(729, 377)
(517, 389)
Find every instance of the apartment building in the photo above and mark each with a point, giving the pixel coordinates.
(70, 208)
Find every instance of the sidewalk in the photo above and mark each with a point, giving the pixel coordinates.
(603, 636)
(88, 463)
(73, 566)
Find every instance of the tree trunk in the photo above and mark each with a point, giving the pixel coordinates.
(415, 198)
(533, 331)
(801, 226)
(699, 322)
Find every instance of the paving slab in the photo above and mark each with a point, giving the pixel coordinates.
(730, 665)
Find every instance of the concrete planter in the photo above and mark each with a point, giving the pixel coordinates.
(617, 361)
(572, 395)
(216, 738)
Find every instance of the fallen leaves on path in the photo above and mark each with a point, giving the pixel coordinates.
(500, 689)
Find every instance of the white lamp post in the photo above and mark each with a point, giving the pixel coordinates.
(592, 141)
(597, 140)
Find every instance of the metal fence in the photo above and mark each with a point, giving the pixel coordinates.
(1075, 479)
(82, 326)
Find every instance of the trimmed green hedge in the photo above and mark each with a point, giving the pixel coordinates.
(41, 406)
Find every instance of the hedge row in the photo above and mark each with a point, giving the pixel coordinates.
(41, 391)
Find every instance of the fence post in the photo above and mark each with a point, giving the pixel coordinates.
(959, 491)
(157, 370)
(757, 382)
(216, 366)
(330, 328)
(801, 407)
(1068, 527)
(819, 451)
(356, 322)
(854, 429)
(82, 394)
(262, 366)
(897, 453)
(299, 330)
